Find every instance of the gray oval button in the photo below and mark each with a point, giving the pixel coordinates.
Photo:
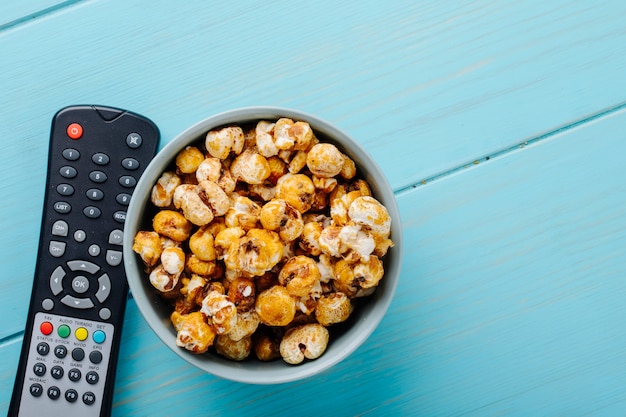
(62, 207)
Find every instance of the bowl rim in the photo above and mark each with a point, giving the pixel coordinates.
(224, 368)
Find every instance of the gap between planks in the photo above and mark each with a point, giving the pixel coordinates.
(38, 14)
(516, 147)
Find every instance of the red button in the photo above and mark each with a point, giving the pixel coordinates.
(46, 328)
(74, 131)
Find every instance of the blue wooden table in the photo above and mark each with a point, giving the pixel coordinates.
(500, 125)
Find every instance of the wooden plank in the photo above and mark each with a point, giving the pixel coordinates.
(443, 84)
(510, 303)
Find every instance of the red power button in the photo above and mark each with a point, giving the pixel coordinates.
(74, 131)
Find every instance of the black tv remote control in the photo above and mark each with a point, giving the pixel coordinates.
(72, 336)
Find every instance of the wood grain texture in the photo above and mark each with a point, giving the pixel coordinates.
(511, 299)
(444, 83)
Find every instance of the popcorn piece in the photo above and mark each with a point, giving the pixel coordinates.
(333, 308)
(325, 160)
(194, 334)
(242, 293)
(250, 167)
(197, 266)
(212, 169)
(215, 196)
(298, 162)
(163, 190)
(194, 208)
(278, 168)
(247, 323)
(226, 238)
(262, 192)
(237, 350)
(188, 159)
(163, 280)
(280, 216)
(370, 213)
(173, 260)
(255, 253)
(357, 279)
(148, 246)
(243, 213)
(266, 348)
(309, 239)
(299, 275)
(297, 190)
(221, 313)
(265, 139)
(220, 143)
(307, 341)
(348, 170)
(339, 207)
(193, 289)
(202, 244)
(171, 224)
(275, 306)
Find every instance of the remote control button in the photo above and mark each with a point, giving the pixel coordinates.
(64, 331)
(57, 372)
(130, 164)
(123, 199)
(46, 328)
(74, 131)
(47, 304)
(62, 207)
(99, 336)
(127, 181)
(134, 140)
(81, 333)
(60, 351)
(78, 354)
(80, 284)
(104, 313)
(92, 212)
(119, 216)
(71, 395)
(54, 393)
(60, 228)
(116, 237)
(80, 303)
(95, 357)
(100, 158)
(94, 250)
(80, 236)
(71, 154)
(68, 172)
(65, 189)
(56, 280)
(39, 369)
(89, 398)
(36, 390)
(43, 348)
(104, 288)
(114, 257)
(92, 378)
(56, 249)
(74, 375)
(97, 176)
(83, 266)
(94, 194)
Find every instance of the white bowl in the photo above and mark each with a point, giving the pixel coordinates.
(345, 338)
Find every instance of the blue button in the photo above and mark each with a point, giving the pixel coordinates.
(99, 336)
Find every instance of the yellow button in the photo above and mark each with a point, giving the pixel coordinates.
(81, 333)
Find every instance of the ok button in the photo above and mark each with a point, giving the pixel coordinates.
(80, 284)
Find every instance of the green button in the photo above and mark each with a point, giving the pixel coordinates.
(64, 331)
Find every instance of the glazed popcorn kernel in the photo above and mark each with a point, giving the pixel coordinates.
(263, 238)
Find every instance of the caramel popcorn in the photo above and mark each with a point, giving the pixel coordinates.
(264, 236)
